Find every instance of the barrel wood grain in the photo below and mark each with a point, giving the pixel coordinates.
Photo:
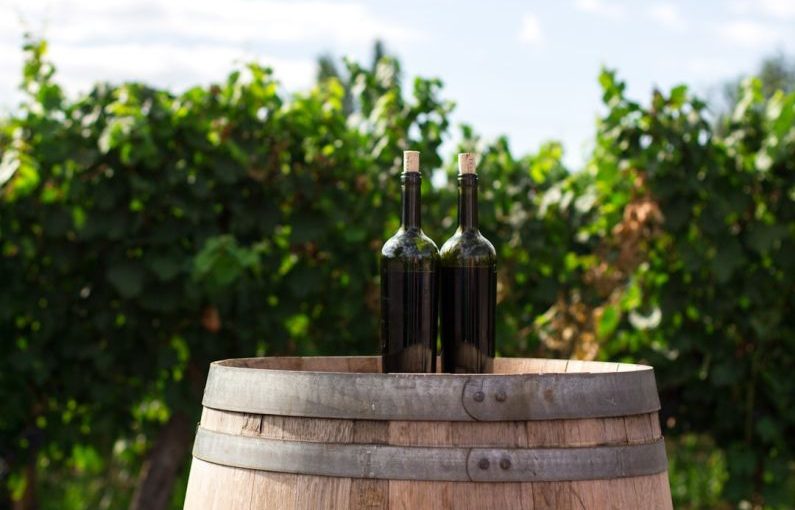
(369, 494)
(212, 486)
(485, 495)
(409, 494)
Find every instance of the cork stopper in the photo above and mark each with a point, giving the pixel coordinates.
(411, 161)
(466, 163)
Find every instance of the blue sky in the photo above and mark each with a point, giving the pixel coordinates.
(525, 69)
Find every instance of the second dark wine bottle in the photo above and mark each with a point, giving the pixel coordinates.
(409, 285)
(468, 284)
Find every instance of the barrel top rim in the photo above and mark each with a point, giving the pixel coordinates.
(546, 389)
(241, 364)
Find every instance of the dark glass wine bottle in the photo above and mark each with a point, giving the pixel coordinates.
(468, 284)
(409, 285)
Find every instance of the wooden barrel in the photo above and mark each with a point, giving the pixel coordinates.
(333, 432)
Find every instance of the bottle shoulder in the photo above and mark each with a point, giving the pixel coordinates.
(469, 247)
(410, 244)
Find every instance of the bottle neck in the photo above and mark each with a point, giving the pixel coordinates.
(468, 202)
(410, 185)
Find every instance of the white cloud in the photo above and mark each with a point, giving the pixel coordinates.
(773, 8)
(237, 21)
(667, 15)
(749, 34)
(182, 42)
(159, 64)
(531, 30)
(166, 65)
(782, 8)
(605, 8)
(709, 68)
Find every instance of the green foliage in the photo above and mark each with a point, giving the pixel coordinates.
(145, 233)
(775, 73)
(721, 271)
(698, 473)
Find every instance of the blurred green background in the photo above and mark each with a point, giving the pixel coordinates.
(145, 233)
